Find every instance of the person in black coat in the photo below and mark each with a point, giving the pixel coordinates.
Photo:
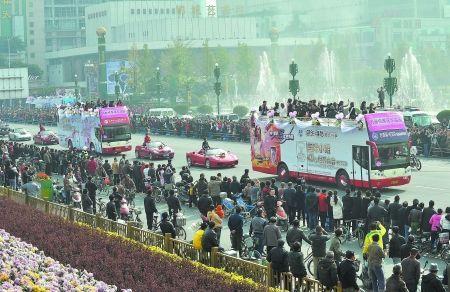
(166, 226)
(289, 201)
(395, 245)
(393, 211)
(402, 218)
(405, 249)
(111, 209)
(209, 239)
(270, 204)
(356, 206)
(365, 204)
(203, 204)
(278, 256)
(426, 215)
(296, 261)
(347, 272)
(300, 198)
(150, 209)
(347, 205)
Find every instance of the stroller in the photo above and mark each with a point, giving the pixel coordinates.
(248, 210)
(228, 206)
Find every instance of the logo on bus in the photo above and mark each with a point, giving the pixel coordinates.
(282, 137)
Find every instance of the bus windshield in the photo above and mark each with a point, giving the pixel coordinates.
(116, 133)
(391, 156)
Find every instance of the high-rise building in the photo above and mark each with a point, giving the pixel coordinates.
(65, 23)
(35, 30)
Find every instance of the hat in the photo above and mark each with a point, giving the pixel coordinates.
(330, 254)
(433, 267)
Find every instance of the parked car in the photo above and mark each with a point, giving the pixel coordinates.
(19, 135)
(154, 150)
(211, 158)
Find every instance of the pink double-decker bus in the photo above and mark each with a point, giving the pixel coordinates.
(371, 152)
(104, 130)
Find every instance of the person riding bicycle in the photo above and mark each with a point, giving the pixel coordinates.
(166, 226)
(375, 228)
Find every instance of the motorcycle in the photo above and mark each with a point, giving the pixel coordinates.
(415, 162)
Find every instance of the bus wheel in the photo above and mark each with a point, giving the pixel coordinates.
(283, 172)
(342, 179)
(70, 145)
(92, 147)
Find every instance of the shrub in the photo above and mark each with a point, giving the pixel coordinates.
(111, 259)
(205, 109)
(240, 110)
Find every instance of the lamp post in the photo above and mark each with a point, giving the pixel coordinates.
(116, 86)
(217, 86)
(158, 85)
(77, 90)
(293, 84)
(390, 83)
(102, 87)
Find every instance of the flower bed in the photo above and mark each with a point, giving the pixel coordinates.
(24, 268)
(112, 259)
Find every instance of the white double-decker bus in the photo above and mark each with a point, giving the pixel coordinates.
(372, 152)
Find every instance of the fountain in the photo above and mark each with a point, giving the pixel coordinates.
(266, 88)
(413, 87)
(327, 69)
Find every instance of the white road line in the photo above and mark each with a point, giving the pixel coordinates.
(431, 188)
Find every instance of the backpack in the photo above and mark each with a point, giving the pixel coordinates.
(324, 273)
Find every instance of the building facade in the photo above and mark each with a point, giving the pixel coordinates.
(13, 85)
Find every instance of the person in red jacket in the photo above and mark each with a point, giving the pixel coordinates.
(147, 138)
(323, 207)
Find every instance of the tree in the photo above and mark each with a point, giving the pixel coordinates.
(245, 66)
(33, 69)
(444, 117)
(132, 71)
(240, 110)
(145, 68)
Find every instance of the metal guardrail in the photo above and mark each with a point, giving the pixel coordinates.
(258, 273)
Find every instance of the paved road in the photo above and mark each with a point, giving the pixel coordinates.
(431, 183)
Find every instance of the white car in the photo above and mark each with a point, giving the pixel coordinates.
(20, 135)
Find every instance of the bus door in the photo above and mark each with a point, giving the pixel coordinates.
(302, 160)
(361, 166)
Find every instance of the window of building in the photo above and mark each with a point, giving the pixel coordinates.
(144, 11)
(81, 11)
(150, 11)
(161, 11)
(156, 11)
(31, 32)
(31, 42)
(31, 24)
(132, 11)
(32, 55)
(167, 11)
(30, 13)
(138, 11)
(173, 10)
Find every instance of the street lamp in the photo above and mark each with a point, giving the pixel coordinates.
(158, 85)
(102, 86)
(116, 86)
(217, 86)
(77, 90)
(293, 84)
(390, 83)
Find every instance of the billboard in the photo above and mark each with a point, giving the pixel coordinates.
(121, 67)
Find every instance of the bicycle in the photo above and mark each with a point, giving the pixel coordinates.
(180, 232)
(101, 206)
(415, 162)
(358, 234)
(249, 251)
(309, 261)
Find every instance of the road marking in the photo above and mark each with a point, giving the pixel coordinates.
(431, 188)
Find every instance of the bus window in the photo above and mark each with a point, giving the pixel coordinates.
(392, 156)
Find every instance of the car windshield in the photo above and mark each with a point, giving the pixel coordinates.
(215, 152)
(116, 133)
(421, 120)
(156, 144)
(392, 156)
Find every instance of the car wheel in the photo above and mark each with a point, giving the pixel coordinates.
(189, 161)
(207, 163)
(342, 179)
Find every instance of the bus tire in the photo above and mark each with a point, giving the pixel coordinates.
(70, 144)
(283, 172)
(342, 179)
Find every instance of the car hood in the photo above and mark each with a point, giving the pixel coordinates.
(161, 150)
(226, 157)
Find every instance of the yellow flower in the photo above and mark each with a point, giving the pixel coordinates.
(3, 277)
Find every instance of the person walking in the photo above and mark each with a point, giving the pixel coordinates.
(271, 234)
(411, 270)
(295, 234)
(323, 207)
(318, 244)
(375, 256)
(111, 209)
(235, 224)
(347, 273)
(92, 190)
(395, 281)
(150, 209)
(435, 223)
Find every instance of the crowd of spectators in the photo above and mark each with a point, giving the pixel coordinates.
(29, 115)
(432, 139)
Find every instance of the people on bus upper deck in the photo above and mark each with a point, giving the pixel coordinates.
(263, 109)
(352, 111)
(372, 108)
(363, 108)
(205, 144)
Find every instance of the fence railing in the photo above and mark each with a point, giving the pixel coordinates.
(258, 273)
